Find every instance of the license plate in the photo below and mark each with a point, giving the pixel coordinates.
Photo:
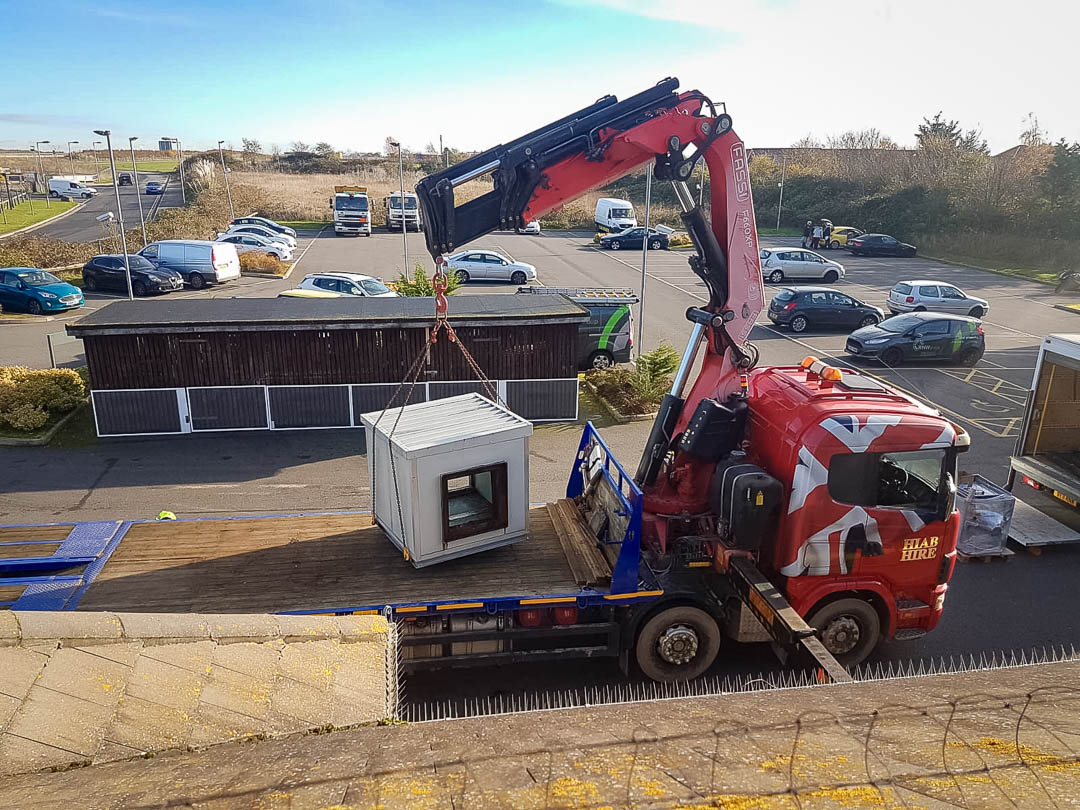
(1061, 496)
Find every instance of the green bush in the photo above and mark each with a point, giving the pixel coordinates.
(638, 389)
(28, 397)
(420, 285)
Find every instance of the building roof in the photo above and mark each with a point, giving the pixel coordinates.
(454, 423)
(351, 312)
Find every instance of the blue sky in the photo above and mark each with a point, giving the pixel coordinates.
(482, 72)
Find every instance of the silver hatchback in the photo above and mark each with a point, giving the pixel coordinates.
(923, 295)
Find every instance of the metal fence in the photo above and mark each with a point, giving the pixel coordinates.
(16, 199)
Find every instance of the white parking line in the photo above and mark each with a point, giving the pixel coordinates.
(650, 275)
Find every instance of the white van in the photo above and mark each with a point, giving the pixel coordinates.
(614, 215)
(199, 262)
(59, 187)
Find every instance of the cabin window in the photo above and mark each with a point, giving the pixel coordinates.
(907, 480)
(474, 502)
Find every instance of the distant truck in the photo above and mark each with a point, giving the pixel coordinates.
(1047, 455)
(614, 215)
(352, 210)
(395, 215)
(62, 187)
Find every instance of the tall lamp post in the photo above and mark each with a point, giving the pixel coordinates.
(93, 149)
(404, 227)
(41, 172)
(135, 177)
(225, 174)
(107, 135)
(180, 154)
(71, 160)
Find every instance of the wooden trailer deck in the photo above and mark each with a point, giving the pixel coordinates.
(328, 562)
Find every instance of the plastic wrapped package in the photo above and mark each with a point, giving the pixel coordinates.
(986, 511)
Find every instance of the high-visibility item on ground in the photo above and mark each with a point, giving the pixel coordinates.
(1047, 454)
(450, 477)
(352, 210)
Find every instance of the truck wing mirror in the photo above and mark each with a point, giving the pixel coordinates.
(947, 497)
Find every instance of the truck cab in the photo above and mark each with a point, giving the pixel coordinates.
(396, 213)
(352, 214)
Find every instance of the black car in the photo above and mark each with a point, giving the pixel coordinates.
(802, 307)
(631, 238)
(920, 336)
(123, 179)
(879, 244)
(106, 272)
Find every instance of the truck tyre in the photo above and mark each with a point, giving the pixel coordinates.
(196, 281)
(677, 644)
(849, 628)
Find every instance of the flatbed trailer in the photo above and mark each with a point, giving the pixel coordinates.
(561, 592)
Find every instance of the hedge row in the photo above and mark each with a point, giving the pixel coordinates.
(29, 397)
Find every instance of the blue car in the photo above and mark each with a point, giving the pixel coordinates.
(154, 187)
(36, 291)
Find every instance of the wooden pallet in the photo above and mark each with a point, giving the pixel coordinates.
(586, 560)
(1004, 554)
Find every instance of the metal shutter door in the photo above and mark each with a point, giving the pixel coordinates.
(232, 408)
(124, 413)
(543, 400)
(309, 406)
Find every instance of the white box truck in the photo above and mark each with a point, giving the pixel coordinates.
(352, 210)
(614, 215)
(395, 214)
(1047, 454)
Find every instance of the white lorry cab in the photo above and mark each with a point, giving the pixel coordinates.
(614, 215)
(352, 210)
(394, 212)
(62, 187)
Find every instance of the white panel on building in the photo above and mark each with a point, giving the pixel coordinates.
(449, 477)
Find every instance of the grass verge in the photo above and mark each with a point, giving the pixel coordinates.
(982, 263)
(22, 217)
(157, 166)
(304, 224)
(78, 431)
(779, 231)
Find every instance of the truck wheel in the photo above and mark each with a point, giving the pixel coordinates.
(849, 628)
(677, 644)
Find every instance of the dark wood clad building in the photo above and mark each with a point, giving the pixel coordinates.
(252, 363)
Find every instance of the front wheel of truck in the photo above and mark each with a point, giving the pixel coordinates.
(677, 644)
(849, 629)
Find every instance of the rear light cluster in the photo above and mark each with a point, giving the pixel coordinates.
(979, 329)
(790, 306)
(910, 299)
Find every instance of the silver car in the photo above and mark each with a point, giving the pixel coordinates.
(487, 265)
(784, 263)
(925, 295)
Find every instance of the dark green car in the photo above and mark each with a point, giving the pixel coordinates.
(920, 336)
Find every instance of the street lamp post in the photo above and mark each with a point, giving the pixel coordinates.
(135, 180)
(107, 135)
(71, 160)
(93, 149)
(225, 174)
(41, 172)
(404, 227)
(180, 154)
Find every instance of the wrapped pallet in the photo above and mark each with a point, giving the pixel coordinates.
(985, 512)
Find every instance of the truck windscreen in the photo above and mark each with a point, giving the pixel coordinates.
(351, 203)
(410, 203)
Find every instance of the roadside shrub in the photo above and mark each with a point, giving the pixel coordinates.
(420, 285)
(678, 240)
(640, 388)
(28, 397)
(253, 261)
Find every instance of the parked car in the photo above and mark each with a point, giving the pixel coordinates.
(631, 238)
(154, 187)
(532, 227)
(199, 262)
(123, 179)
(803, 307)
(266, 223)
(487, 265)
(935, 296)
(36, 291)
(59, 187)
(106, 272)
(246, 242)
(841, 234)
(879, 244)
(777, 265)
(347, 284)
(266, 233)
(920, 336)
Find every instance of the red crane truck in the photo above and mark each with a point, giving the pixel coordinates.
(807, 505)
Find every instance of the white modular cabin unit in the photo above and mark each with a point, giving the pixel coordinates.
(449, 477)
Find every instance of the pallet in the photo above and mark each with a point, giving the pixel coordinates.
(578, 541)
(1004, 555)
